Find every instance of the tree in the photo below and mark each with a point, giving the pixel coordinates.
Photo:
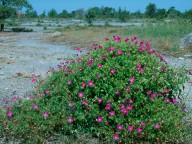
(64, 14)
(31, 13)
(188, 15)
(173, 13)
(43, 15)
(52, 13)
(150, 10)
(123, 15)
(90, 16)
(161, 13)
(9, 7)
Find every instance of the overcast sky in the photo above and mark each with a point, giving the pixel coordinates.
(129, 5)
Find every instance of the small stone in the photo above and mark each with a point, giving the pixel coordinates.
(10, 62)
(180, 58)
(188, 55)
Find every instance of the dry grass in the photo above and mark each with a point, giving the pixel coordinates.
(163, 36)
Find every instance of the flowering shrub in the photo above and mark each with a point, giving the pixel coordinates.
(122, 91)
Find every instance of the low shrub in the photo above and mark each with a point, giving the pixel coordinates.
(21, 30)
(122, 91)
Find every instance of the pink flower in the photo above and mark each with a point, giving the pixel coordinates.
(130, 128)
(89, 64)
(129, 107)
(128, 89)
(98, 76)
(143, 124)
(116, 137)
(132, 80)
(131, 100)
(106, 39)
(111, 49)
(70, 120)
(174, 101)
(64, 69)
(119, 127)
(88, 107)
(79, 49)
(80, 69)
(112, 113)
(167, 100)
(70, 72)
(99, 65)
(104, 57)
(80, 94)
(99, 100)
(190, 72)
(148, 92)
(142, 70)
(108, 107)
(119, 52)
(163, 68)
(9, 114)
(138, 65)
(33, 80)
(83, 84)
(124, 111)
(166, 91)
(71, 103)
(106, 123)
(112, 71)
(47, 92)
(84, 102)
(118, 92)
(45, 114)
(156, 126)
(35, 107)
(122, 106)
(69, 82)
(127, 39)
(90, 83)
(139, 130)
(41, 93)
(99, 119)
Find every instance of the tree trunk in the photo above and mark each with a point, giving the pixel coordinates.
(2, 27)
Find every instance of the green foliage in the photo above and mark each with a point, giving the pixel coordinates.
(150, 10)
(20, 29)
(122, 91)
(52, 13)
(90, 16)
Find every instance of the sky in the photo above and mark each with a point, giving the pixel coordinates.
(129, 5)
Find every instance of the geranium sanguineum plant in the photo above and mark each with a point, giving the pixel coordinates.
(122, 91)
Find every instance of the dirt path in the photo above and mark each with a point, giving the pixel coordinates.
(21, 56)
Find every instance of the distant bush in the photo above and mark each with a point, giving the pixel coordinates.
(21, 30)
(123, 91)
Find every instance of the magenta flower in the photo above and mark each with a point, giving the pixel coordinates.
(122, 106)
(129, 107)
(71, 103)
(156, 126)
(128, 89)
(41, 93)
(183, 107)
(47, 92)
(143, 124)
(70, 72)
(106, 39)
(83, 84)
(119, 52)
(139, 130)
(79, 49)
(9, 108)
(118, 92)
(89, 64)
(64, 69)
(98, 76)
(112, 71)
(138, 65)
(90, 83)
(132, 80)
(106, 123)
(127, 39)
(142, 70)
(130, 128)
(163, 68)
(116, 137)
(35, 107)
(119, 127)
(108, 107)
(131, 100)
(79, 60)
(33, 80)
(69, 82)
(99, 100)
(84, 102)
(190, 72)
(9, 114)
(167, 100)
(80, 69)
(174, 101)
(45, 114)
(70, 120)
(111, 49)
(80, 94)
(148, 92)
(99, 119)
(166, 91)
(99, 65)
(124, 111)
(112, 113)
(88, 107)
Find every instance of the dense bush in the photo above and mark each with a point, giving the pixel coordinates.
(123, 91)
(21, 30)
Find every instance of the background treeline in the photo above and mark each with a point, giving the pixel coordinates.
(123, 15)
